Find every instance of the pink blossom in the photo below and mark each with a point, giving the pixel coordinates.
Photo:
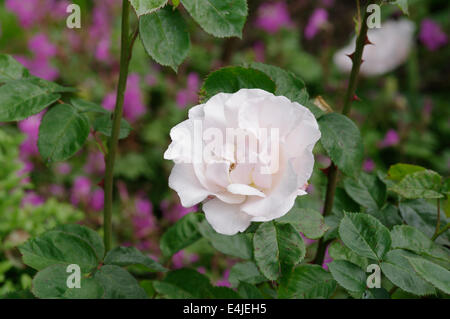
(81, 190)
(64, 168)
(176, 211)
(327, 259)
(189, 94)
(97, 200)
(144, 221)
(30, 127)
(431, 35)
(178, 260)
(224, 282)
(390, 139)
(95, 163)
(28, 12)
(316, 21)
(368, 165)
(273, 16)
(41, 46)
(33, 199)
(259, 51)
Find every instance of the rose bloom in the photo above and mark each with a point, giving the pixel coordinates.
(234, 191)
(392, 45)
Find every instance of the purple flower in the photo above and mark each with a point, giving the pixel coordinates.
(33, 199)
(178, 260)
(431, 35)
(41, 46)
(144, 222)
(327, 259)
(95, 163)
(390, 139)
(81, 190)
(189, 94)
(273, 16)
(97, 200)
(224, 282)
(39, 67)
(29, 12)
(259, 51)
(317, 19)
(176, 211)
(368, 165)
(64, 168)
(30, 127)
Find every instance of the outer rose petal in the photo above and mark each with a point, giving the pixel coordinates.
(183, 180)
(225, 218)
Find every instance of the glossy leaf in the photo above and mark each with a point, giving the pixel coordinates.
(221, 18)
(232, 79)
(342, 141)
(365, 235)
(165, 37)
(62, 133)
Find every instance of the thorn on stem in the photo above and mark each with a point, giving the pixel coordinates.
(367, 41)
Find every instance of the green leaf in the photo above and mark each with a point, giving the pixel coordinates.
(338, 251)
(403, 5)
(104, 123)
(57, 247)
(245, 272)
(422, 184)
(342, 141)
(308, 221)
(147, 6)
(277, 248)
(348, 275)
(20, 99)
(248, 291)
(126, 256)
(118, 283)
(11, 69)
(51, 283)
(239, 245)
(367, 190)
(307, 282)
(62, 133)
(224, 293)
(365, 235)
(410, 238)
(184, 284)
(87, 106)
(232, 79)
(165, 37)
(184, 233)
(90, 236)
(388, 215)
(423, 216)
(398, 171)
(376, 293)
(398, 270)
(49, 87)
(221, 18)
(434, 274)
(287, 83)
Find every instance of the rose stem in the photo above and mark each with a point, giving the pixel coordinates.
(125, 56)
(356, 57)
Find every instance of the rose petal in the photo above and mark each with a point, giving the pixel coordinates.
(226, 219)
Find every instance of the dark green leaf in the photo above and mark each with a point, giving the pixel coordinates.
(232, 79)
(338, 251)
(20, 99)
(103, 124)
(398, 270)
(277, 248)
(11, 69)
(388, 215)
(51, 283)
(348, 275)
(87, 106)
(398, 171)
(376, 293)
(308, 221)
(118, 283)
(422, 184)
(245, 272)
(221, 18)
(224, 293)
(342, 141)
(165, 37)
(147, 6)
(184, 233)
(239, 245)
(365, 235)
(184, 284)
(307, 282)
(288, 84)
(434, 274)
(62, 133)
(367, 190)
(126, 256)
(248, 291)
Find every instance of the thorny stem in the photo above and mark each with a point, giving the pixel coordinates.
(125, 56)
(356, 57)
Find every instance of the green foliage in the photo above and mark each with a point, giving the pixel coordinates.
(365, 235)
(245, 272)
(147, 6)
(342, 141)
(184, 284)
(398, 171)
(422, 184)
(277, 248)
(62, 133)
(307, 221)
(184, 233)
(10, 69)
(338, 251)
(119, 283)
(432, 273)
(367, 190)
(126, 256)
(165, 37)
(103, 124)
(348, 275)
(232, 79)
(221, 18)
(307, 282)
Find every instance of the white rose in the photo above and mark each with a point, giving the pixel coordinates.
(223, 174)
(392, 45)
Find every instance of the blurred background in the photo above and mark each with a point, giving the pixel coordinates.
(403, 110)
